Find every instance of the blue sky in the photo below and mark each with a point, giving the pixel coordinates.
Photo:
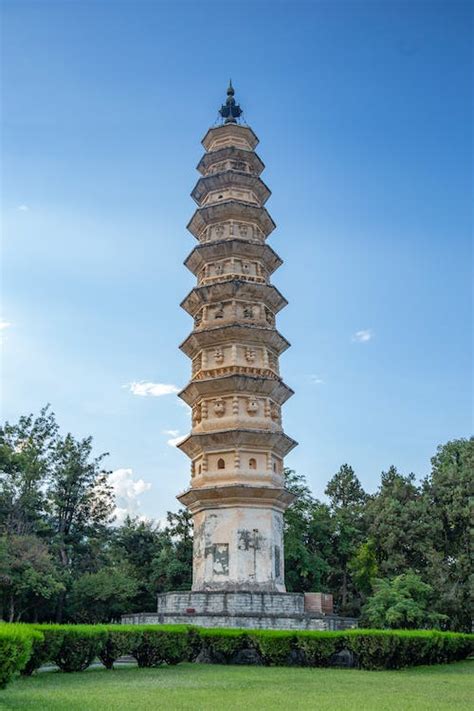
(363, 110)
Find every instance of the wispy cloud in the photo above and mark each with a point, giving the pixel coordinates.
(316, 380)
(145, 388)
(3, 327)
(127, 491)
(23, 208)
(363, 336)
(175, 437)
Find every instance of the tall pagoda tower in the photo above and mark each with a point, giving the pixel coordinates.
(237, 445)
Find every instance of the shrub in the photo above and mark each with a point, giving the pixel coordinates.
(44, 648)
(278, 647)
(74, 647)
(120, 640)
(16, 642)
(162, 644)
(80, 645)
(222, 646)
(389, 649)
(318, 648)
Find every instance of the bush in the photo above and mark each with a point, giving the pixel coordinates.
(45, 648)
(319, 648)
(16, 642)
(74, 647)
(80, 645)
(371, 649)
(390, 649)
(120, 640)
(162, 644)
(278, 648)
(225, 646)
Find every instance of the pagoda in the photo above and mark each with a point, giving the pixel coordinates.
(237, 445)
(237, 495)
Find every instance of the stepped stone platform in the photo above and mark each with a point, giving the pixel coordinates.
(250, 610)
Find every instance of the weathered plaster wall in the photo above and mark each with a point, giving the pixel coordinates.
(238, 548)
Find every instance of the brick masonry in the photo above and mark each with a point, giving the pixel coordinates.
(249, 610)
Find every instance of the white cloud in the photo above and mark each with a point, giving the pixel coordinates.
(3, 326)
(144, 388)
(23, 208)
(127, 491)
(363, 336)
(175, 438)
(316, 380)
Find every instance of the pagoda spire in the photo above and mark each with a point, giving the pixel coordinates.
(230, 111)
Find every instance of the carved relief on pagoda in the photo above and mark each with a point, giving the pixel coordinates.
(219, 167)
(247, 410)
(233, 268)
(235, 358)
(225, 312)
(232, 229)
(239, 465)
(230, 193)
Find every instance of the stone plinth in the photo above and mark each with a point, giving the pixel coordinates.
(248, 610)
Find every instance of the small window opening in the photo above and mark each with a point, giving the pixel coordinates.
(221, 464)
(252, 463)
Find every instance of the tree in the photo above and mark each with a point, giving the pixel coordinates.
(398, 522)
(28, 575)
(103, 596)
(364, 569)
(403, 602)
(138, 544)
(306, 538)
(448, 496)
(173, 566)
(347, 506)
(80, 502)
(25, 457)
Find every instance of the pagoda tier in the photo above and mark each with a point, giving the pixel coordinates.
(237, 445)
(236, 383)
(232, 259)
(231, 219)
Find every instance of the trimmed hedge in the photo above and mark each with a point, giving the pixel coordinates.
(121, 641)
(162, 644)
(73, 647)
(80, 645)
(45, 647)
(16, 644)
(394, 649)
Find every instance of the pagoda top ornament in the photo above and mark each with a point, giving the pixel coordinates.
(230, 111)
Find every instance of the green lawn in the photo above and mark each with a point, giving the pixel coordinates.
(218, 688)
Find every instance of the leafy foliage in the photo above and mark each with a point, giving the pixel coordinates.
(16, 643)
(402, 603)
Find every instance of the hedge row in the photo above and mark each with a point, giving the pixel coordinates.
(73, 647)
(16, 646)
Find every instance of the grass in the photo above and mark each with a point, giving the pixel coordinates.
(199, 687)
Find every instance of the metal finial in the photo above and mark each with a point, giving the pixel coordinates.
(230, 111)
